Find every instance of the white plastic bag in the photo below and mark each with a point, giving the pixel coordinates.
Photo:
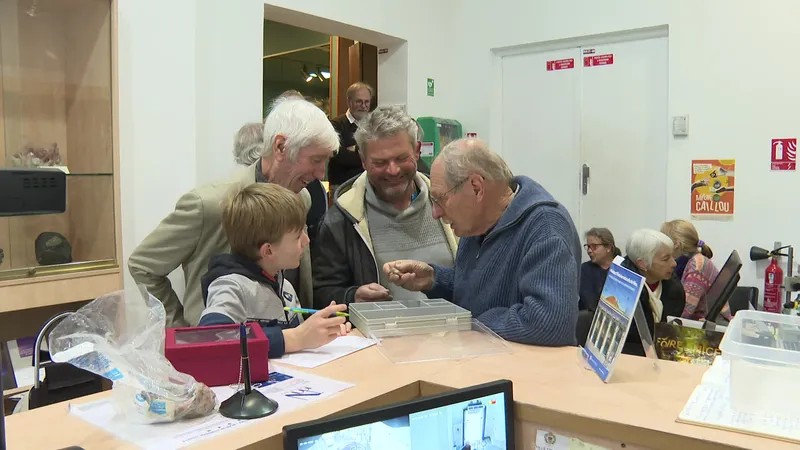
(121, 338)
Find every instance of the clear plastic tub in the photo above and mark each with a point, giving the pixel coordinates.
(424, 330)
(417, 344)
(764, 353)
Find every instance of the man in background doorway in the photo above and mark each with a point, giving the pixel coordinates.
(346, 163)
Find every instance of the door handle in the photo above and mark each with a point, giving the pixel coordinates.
(585, 179)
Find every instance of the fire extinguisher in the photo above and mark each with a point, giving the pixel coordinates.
(773, 280)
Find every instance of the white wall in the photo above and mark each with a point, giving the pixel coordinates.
(730, 70)
(228, 67)
(189, 76)
(186, 83)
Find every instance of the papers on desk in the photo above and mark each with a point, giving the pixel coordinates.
(710, 406)
(341, 346)
(291, 389)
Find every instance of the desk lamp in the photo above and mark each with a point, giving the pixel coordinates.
(248, 403)
(26, 192)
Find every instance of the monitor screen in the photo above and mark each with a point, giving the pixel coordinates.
(722, 288)
(479, 417)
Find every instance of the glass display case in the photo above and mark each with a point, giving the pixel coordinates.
(56, 110)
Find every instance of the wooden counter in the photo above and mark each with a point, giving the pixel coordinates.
(551, 391)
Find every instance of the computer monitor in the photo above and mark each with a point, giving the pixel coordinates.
(722, 288)
(470, 418)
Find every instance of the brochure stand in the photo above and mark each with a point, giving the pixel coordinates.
(644, 335)
(647, 342)
(618, 307)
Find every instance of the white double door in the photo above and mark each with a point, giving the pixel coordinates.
(595, 135)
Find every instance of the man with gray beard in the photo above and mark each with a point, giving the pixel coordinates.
(382, 215)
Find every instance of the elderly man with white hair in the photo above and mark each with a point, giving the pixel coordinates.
(298, 142)
(649, 253)
(519, 255)
(248, 145)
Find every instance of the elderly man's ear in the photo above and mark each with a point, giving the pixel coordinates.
(279, 147)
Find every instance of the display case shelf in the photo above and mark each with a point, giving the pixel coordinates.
(57, 96)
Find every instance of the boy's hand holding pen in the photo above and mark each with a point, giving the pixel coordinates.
(313, 311)
(322, 327)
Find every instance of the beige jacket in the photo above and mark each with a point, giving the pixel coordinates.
(188, 237)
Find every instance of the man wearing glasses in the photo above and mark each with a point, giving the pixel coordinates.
(380, 216)
(346, 163)
(519, 253)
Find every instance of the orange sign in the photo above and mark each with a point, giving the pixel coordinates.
(712, 187)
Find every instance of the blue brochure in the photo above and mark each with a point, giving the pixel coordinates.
(612, 320)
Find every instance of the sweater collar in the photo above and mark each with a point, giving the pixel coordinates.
(528, 195)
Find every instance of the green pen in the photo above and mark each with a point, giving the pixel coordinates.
(312, 311)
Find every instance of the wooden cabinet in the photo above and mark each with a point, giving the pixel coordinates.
(57, 108)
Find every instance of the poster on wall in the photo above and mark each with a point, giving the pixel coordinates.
(712, 187)
(783, 154)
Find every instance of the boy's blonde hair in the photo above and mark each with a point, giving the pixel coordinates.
(261, 213)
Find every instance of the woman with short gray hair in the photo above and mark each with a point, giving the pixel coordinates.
(248, 145)
(649, 253)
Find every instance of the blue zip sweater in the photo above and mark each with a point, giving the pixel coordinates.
(521, 278)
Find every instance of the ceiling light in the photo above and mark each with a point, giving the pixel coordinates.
(308, 76)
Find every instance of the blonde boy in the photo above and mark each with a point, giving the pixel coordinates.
(265, 225)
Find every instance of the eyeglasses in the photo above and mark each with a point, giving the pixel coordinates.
(439, 201)
(593, 246)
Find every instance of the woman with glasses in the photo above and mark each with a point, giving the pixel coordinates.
(601, 250)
